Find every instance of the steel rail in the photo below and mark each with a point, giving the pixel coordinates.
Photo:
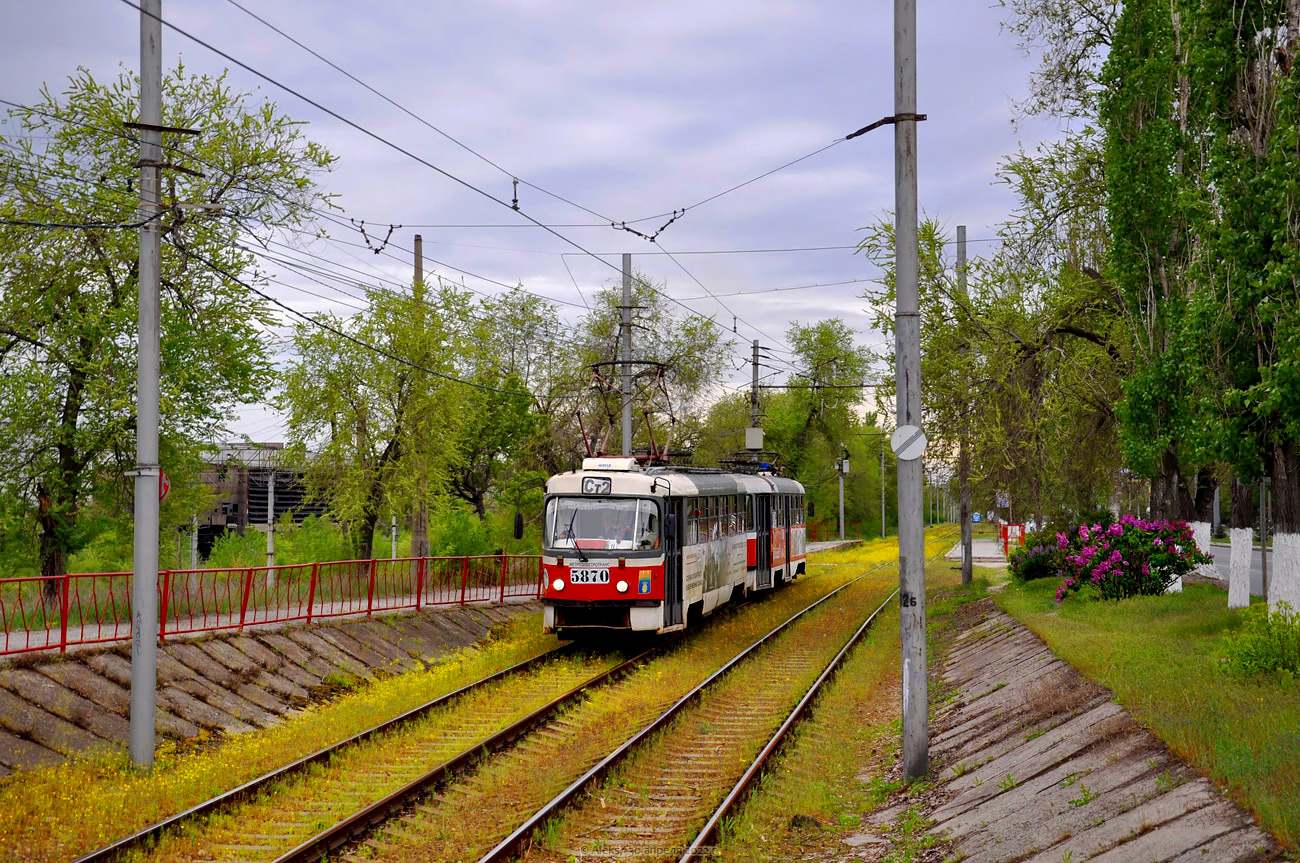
(154, 831)
(710, 828)
(511, 843)
(330, 839)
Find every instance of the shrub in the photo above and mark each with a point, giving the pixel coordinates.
(1268, 643)
(232, 550)
(1039, 557)
(1132, 557)
(316, 539)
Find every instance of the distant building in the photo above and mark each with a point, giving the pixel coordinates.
(240, 474)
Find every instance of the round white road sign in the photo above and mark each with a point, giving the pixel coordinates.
(908, 442)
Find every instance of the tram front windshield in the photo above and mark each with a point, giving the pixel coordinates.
(602, 523)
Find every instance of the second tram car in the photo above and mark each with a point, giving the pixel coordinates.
(649, 549)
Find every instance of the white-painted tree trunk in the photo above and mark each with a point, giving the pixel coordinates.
(1201, 534)
(1239, 567)
(1284, 571)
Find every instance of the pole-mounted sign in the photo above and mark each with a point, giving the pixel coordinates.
(908, 442)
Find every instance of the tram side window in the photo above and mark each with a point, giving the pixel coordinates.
(749, 512)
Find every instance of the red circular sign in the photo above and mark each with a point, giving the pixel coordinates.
(164, 486)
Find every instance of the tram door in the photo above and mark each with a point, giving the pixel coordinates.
(763, 542)
(673, 565)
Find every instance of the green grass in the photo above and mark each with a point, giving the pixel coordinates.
(61, 812)
(1162, 657)
(833, 768)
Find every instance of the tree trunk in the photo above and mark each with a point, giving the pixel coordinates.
(1241, 519)
(53, 547)
(363, 534)
(1201, 519)
(1284, 576)
(420, 530)
(963, 483)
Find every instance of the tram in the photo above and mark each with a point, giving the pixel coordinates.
(649, 549)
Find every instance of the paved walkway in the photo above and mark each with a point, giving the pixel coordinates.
(1040, 765)
(984, 552)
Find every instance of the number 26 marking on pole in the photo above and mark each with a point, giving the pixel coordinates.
(906, 600)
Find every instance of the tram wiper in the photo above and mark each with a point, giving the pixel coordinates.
(573, 539)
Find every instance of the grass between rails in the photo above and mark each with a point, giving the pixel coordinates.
(296, 808)
(840, 765)
(62, 812)
(476, 812)
(1160, 655)
(717, 736)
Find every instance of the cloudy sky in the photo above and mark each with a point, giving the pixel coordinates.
(630, 110)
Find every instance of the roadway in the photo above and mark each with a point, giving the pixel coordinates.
(1223, 553)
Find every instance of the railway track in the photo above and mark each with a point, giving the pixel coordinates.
(444, 781)
(558, 768)
(402, 748)
(648, 799)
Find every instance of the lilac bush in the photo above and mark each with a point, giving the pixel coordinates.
(1038, 557)
(1132, 557)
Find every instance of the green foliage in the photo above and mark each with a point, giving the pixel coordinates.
(381, 431)
(315, 539)
(1132, 557)
(68, 297)
(1267, 643)
(1039, 557)
(232, 549)
(454, 530)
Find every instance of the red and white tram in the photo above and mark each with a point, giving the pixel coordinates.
(647, 549)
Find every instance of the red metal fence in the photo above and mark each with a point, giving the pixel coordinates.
(830, 530)
(95, 608)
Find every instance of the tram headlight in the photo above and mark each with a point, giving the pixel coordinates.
(621, 587)
(558, 584)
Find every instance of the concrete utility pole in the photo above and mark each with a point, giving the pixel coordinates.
(882, 486)
(907, 347)
(841, 469)
(626, 328)
(270, 524)
(753, 391)
(144, 582)
(963, 454)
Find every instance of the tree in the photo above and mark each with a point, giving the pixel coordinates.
(1243, 318)
(372, 405)
(1152, 192)
(68, 295)
(1074, 36)
(692, 349)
